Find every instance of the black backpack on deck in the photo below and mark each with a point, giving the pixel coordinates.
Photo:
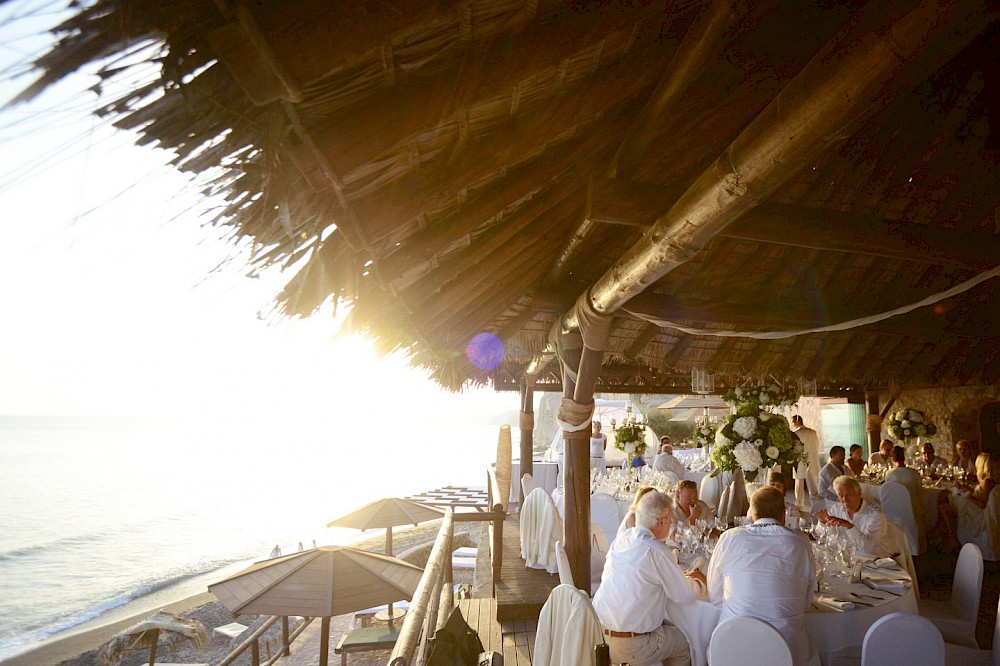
(455, 644)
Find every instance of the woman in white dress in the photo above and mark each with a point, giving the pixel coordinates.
(965, 457)
(971, 508)
(598, 445)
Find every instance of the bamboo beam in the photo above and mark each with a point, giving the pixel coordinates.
(850, 80)
(751, 358)
(677, 351)
(527, 434)
(576, 528)
(645, 336)
(791, 356)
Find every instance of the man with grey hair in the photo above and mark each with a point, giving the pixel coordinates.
(863, 525)
(766, 571)
(640, 575)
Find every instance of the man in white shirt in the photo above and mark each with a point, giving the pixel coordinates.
(688, 508)
(639, 577)
(831, 471)
(883, 455)
(910, 478)
(864, 525)
(666, 462)
(766, 571)
(929, 459)
(808, 470)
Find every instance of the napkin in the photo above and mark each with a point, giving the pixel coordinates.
(883, 563)
(889, 585)
(829, 603)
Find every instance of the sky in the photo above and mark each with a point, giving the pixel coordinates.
(117, 300)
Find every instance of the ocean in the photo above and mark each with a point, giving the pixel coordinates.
(100, 517)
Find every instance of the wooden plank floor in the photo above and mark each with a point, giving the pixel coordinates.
(521, 592)
(514, 639)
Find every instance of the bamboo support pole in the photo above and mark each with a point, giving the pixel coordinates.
(527, 434)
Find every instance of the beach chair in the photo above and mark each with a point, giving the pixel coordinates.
(366, 639)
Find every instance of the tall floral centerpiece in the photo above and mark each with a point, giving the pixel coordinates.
(630, 437)
(754, 437)
(908, 425)
(703, 434)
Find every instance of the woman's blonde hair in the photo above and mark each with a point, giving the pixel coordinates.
(638, 495)
(987, 467)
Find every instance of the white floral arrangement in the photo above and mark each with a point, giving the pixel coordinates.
(630, 438)
(752, 439)
(764, 396)
(703, 434)
(909, 423)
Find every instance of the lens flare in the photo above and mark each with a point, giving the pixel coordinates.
(485, 351)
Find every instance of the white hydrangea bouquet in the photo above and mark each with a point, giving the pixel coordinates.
(703, 434)
(630, 438)
(908, 423)
(754, 438)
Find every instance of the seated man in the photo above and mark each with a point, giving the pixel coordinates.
(929, 459)
(831, 471)
(666, 462)
(777, 481)
(766, 571)
(864, 525)
(640, 575)
(688, 507)
(884, 453)
(908, 477)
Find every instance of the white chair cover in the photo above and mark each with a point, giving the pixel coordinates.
(604, 513)
(988, 541)
(568, 629)
(902, 638)
(528, 484)
(562, 563)
(897, 505)
(898, 542)
(670, 479)
(959, 654)
(711, 490)
(598, 556)
(956, 617)
(696, 620)
(748, 642)
(540, 528)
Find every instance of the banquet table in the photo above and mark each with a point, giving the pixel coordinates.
(545, 474)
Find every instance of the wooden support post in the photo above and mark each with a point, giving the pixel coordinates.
(324, 641)
(871, 404)
(284, 636)
(152, 648)
(255, 653)
(527, 417)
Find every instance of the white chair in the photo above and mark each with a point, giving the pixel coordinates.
(956, 617)
(748, 642)
(540, 528)
(604, 513)
(568, 629)
(989, 540)
(898, 542)
(711, 489)
(528, 484)
(696, 620)
(966, 656)
(598, 556)
(670, 479)
(897, 505)
(562, 563)
(902, 638)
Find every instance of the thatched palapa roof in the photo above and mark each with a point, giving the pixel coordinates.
(457, 167)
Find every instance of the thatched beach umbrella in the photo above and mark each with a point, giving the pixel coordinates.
(388, 513)
(320, 582)
(167, 627)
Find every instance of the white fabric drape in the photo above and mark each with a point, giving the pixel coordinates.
(540, 528)
(568, 629)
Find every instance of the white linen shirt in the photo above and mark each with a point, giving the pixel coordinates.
(869, 532)
(640, 575)
(765, 571)
(827, 475)
(666, 462)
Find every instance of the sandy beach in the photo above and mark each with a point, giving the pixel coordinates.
(80, 647)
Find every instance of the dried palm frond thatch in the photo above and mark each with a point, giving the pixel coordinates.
(166, 627)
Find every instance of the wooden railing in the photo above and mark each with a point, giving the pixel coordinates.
(252, 642)
(434, 599)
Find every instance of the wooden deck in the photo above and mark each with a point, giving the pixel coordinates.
(514, 639)
(521, 592)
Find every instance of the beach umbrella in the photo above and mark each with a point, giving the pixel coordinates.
(319, 582)
(166, 627)
(695, 402)
(388, 512)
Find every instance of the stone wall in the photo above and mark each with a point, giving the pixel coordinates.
(954, 410)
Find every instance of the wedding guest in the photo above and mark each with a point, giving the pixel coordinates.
(810, 469)
(856, 461)
(929, 460)
(910, 478)
(666, 462)
(777, 481)
(971, 508)
(964, 450)
(640, 575)
(766, 571)
(863, 524)
(831, 471)
(883, 455)
(688, 508)
(629, 519)
(598, 445)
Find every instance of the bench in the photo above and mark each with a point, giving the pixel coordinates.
(365, 639)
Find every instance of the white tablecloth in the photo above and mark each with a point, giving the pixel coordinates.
(545, 475)
(929, 498)
(684, 455)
